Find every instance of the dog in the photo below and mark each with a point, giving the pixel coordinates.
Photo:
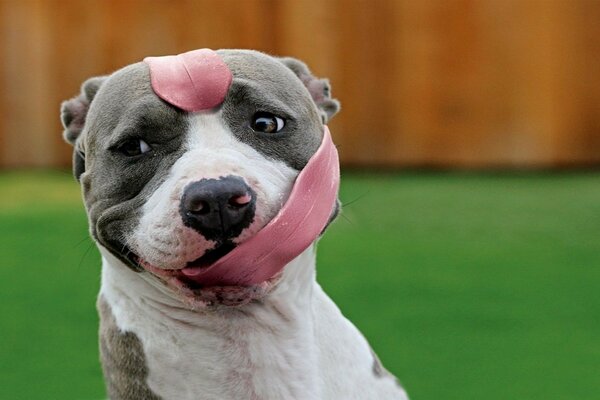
(207, 179)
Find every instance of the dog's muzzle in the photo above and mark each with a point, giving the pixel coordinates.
(218, 209)
(199, 80)
(297, 225)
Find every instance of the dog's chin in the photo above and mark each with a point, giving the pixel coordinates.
(197, 296)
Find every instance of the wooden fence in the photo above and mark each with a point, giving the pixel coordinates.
(447, 83)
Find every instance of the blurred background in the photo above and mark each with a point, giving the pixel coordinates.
(456, 84)
(469, 135)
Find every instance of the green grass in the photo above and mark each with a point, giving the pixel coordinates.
(468, 286)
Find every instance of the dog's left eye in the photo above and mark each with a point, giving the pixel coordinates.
(267, 123)
(134, 147)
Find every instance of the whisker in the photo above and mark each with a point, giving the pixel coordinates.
(81, 241)
(356, 199)
(347, 219)
(84, 256)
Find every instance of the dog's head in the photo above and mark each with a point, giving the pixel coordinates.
(168, 189)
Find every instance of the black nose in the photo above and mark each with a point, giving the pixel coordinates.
(219, 209)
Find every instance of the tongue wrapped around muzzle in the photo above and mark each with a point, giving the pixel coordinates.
(297, 225)
(199, 80)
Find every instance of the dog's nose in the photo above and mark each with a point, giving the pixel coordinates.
(218, 209)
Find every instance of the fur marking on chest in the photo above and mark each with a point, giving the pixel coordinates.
(123, 359)
(193, 81)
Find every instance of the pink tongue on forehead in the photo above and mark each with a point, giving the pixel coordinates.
(193, 81)
(298, 224)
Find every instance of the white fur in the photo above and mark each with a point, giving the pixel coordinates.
(293, 345)
(212, 152)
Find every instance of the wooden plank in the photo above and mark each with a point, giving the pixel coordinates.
(26, 86)
(366, 74)
(465, 83)
(4, 110)
(586, 140)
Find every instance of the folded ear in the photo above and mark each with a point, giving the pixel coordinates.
(74, 111)
(319, 89)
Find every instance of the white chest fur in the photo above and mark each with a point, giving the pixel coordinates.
(294, 345)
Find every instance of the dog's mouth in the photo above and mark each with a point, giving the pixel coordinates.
(197, 295)
(208, 258)
(212, 255)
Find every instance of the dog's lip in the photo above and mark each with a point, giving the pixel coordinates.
(195, 295)
(209, 257)
(204, 261)
(185, 274)
(172, 273)
(160, 272)
(199, 296)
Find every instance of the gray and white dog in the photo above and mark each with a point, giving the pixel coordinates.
(148, 171)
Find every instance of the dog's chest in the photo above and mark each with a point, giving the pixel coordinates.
(224, 361)
(255, 354)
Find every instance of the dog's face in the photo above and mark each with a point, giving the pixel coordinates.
(166, 189)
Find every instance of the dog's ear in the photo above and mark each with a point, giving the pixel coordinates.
(319, 89)
(73, 113)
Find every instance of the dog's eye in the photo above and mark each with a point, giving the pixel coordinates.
(134, 147)
(267, 123)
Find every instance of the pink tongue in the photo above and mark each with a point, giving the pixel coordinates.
(193, 81)
(298, 224)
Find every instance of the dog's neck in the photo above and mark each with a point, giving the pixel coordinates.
(291, 296)
(294, 344)
(270, 341)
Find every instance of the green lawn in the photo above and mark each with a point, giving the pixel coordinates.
(468, 286)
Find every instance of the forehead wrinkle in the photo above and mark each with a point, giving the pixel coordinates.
(148, 108)
(147, 112)
(243, 90)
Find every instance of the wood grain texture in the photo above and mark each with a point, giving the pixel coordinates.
(461, 83)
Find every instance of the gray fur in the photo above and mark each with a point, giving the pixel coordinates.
(73, 116)
(115, 186)
(263, 83)
(319, 89)
(379, 370)
(124, 106)
(74, 111)
(123, 360)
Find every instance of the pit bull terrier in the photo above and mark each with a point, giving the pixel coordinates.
(207, 179)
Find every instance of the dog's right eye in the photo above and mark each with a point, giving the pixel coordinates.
(267, 123)
(133, 147)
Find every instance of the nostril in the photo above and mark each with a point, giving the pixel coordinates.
(240, 201)
(219, 208)
(198, 207)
